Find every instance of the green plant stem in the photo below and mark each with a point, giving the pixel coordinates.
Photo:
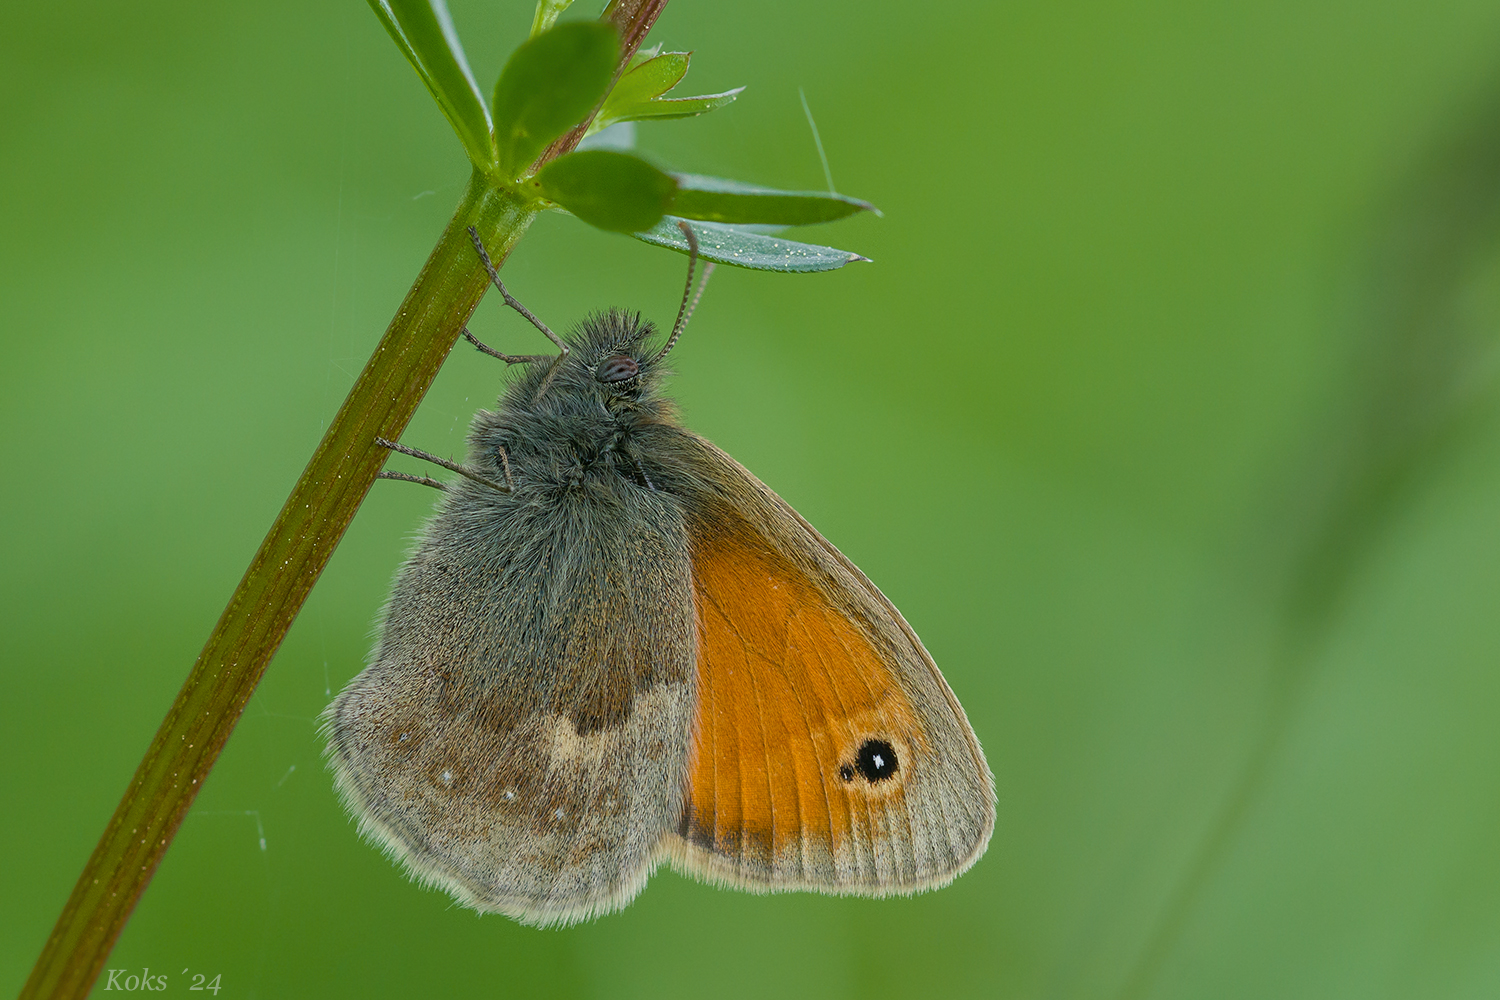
(288, 563)
(298, 546)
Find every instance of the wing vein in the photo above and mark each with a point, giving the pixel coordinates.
(765, 745)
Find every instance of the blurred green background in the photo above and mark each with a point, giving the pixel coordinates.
(1166, 413)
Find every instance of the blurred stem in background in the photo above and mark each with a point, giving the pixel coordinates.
(1420, 375)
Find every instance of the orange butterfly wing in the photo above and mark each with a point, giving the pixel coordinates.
(828, 753)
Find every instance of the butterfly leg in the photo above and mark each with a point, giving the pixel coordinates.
(505, 464)
(510, 300)
(510, 359)
(462, 470)
(405, 478)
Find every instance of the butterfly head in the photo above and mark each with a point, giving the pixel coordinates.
(612, 372)
(616, 359)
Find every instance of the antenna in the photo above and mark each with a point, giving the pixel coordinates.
(685, 311)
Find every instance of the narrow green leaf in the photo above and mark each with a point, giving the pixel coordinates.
(425, 34)
(549, 85)
(614, 191)
(737, 246)
(637, 95)
(714, 199)
(648, 79)
(665, 108)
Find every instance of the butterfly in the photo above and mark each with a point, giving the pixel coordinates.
(614, 647)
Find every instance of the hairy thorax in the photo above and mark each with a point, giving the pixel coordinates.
(567, 425)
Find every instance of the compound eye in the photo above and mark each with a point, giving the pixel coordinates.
(617, 369)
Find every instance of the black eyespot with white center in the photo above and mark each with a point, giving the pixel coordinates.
(619, 368)
(876, 761)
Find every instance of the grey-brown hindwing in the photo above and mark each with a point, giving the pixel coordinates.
(522, 735)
